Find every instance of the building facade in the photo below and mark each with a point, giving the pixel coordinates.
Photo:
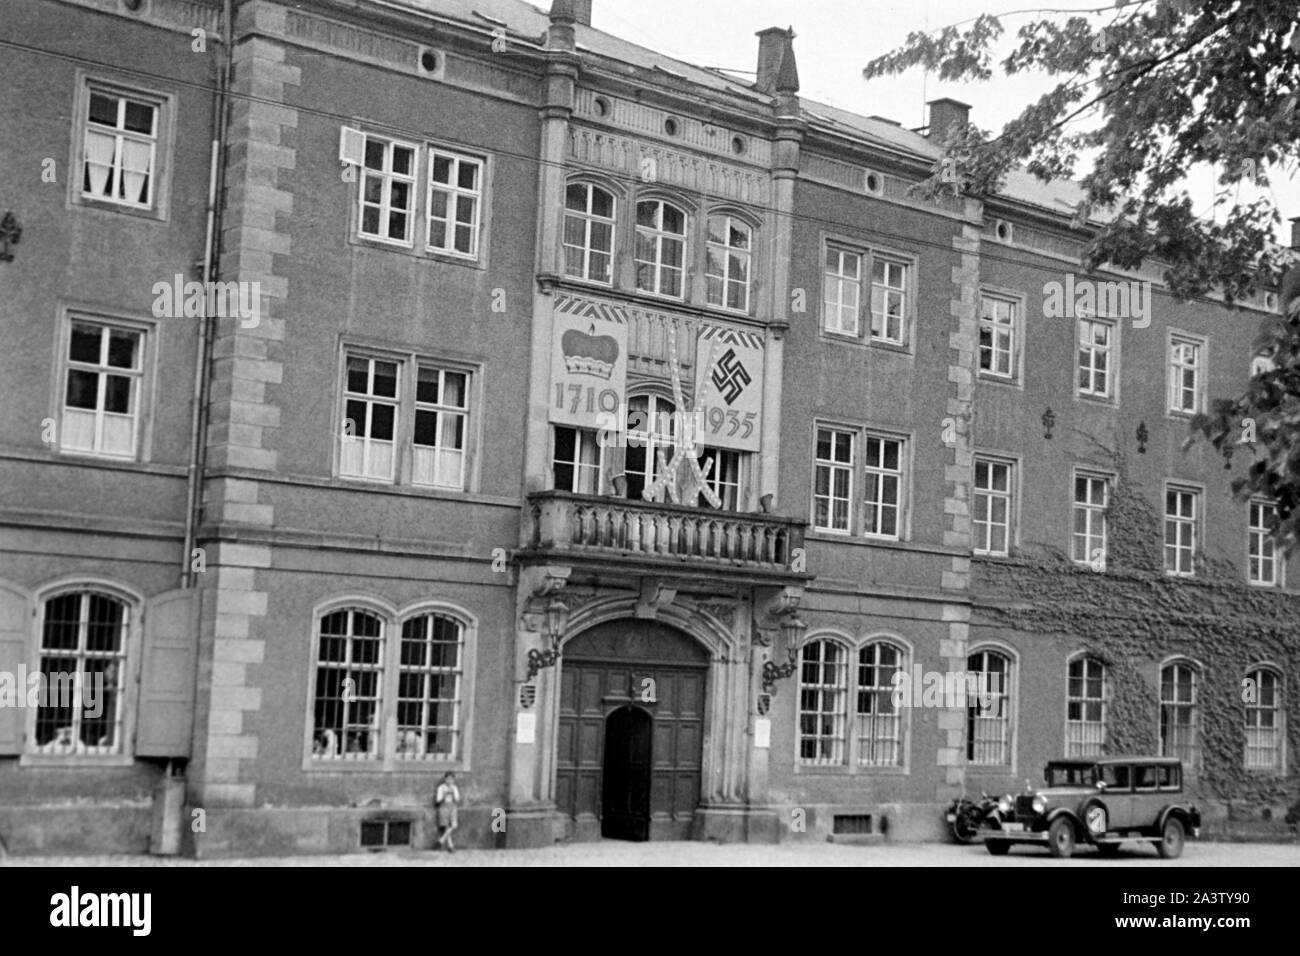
(431, 386)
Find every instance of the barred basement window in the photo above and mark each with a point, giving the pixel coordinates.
(823, 698)
(1085, 714)
(880, 725)
(988, 716)
(428, 693)
(1264, 721)
(1178, 714)
(349, 686)
(83, 664)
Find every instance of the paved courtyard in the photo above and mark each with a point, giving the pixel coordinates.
(616, 853)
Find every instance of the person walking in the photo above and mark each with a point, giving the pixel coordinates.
(446, 799)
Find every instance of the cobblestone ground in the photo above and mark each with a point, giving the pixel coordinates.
(616, 853)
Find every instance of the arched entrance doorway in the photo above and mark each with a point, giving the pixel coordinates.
(631, 727)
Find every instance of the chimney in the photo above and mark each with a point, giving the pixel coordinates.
(944, 115)
(777, 72)
(576, 11)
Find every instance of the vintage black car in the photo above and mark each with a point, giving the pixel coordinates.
(1102, 801)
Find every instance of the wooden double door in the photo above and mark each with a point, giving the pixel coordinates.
(631, 729)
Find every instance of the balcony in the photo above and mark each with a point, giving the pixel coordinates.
(645, 537)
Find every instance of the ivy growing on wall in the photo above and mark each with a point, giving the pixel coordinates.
(1133, 615)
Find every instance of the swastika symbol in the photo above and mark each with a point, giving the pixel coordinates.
(730, 377)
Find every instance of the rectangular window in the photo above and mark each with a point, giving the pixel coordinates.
(991, 523)
(1264, 722)
(997, 342)
(842, 283)
(120, 149)
(728, 263)
(102, 390)
(883, 487)
(1261, 547)
(1186, 361)
(1091, 498)
(441, 417)
(660, 248)
(726, 476)
(833, 480)
(1182, 513)
(370, 419)
(588, 233)
(455, 203)
(577, 460)
(1096, 357)
(388, 190)
(889, 292)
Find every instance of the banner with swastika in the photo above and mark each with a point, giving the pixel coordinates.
(729, 366)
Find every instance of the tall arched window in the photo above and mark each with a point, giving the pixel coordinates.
(988, 714)
(660, 248)
(727, 270)
(82, 667)
(1264, 720)
(880, 725)
(1178, 715)
(1085, 707)
(823, 700)
(349, 685)
(429, 687)
(588, 233)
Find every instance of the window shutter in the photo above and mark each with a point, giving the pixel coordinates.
(166, 710)
(15, 619)
(352, 146)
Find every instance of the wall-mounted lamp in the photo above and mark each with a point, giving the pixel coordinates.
(1049, 419)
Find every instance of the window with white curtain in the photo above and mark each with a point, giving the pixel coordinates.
(120, 149)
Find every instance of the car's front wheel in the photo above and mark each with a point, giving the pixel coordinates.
(998, 847)
(1060, 838)
(1171, 839)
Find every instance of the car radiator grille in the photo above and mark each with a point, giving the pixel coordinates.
(1025, 807)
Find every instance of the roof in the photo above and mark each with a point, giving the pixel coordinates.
(1059, 197)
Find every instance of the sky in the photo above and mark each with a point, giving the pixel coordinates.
(835, 39)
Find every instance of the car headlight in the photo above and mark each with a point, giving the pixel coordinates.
(1005, 804)
(1039, 804)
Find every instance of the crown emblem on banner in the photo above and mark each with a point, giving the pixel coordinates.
(586, 353)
